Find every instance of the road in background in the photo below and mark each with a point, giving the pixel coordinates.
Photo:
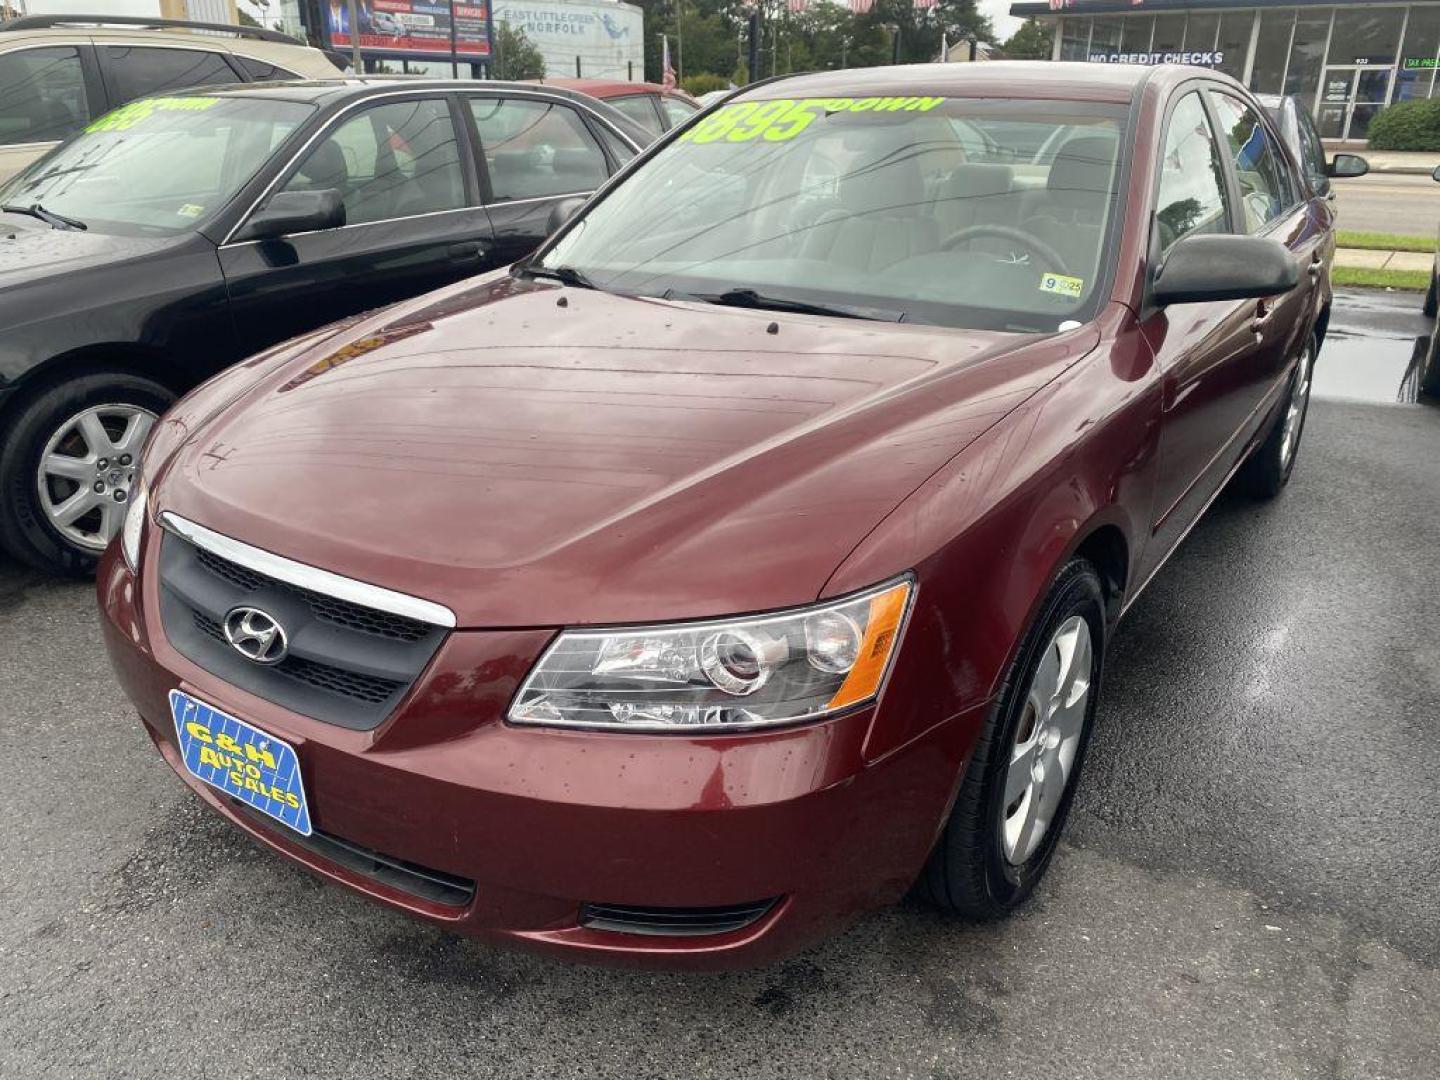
(1247, 888)
(1398, 203)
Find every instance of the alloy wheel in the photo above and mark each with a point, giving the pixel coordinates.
(87, 472)
(1295, 411)
(1047, 738)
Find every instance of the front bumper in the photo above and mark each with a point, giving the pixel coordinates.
(542, 823)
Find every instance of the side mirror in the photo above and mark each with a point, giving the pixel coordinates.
(290, 212)
(1203, 268)
(1436, 174)
(563, 211)
(1346, 165)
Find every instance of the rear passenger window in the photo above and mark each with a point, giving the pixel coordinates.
(260, 71)
(639, 108)
(1263, 176)
(1192, 180)
(390, 161)
(1312, 152)
(535, 149)
(133, 71)
(42, 95)
(676, 110)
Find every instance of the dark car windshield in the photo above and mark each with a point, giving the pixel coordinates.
(893, 204)
(158, 165)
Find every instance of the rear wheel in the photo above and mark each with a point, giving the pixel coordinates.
(1017, 789)
(1270, 464)
(69, 465)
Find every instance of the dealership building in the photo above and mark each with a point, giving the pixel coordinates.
(1345, 62)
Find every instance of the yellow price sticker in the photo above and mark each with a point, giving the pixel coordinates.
(127, 116)
(784, 118)
(1062, 285)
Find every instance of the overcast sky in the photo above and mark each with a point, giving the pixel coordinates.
(999, 12)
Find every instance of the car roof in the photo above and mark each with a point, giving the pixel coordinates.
(612, 87)
(1035, 79)
(289, 53)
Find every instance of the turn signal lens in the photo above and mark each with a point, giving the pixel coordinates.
(132, 527)
(719, 676)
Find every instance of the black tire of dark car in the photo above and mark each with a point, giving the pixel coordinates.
(1267, 471)
(25, 532)
(968, 873)
(1432, 294)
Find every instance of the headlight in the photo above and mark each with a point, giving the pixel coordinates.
(133, 527)
(724, 675)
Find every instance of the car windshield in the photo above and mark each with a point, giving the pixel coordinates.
(157, 166)
(921, 209)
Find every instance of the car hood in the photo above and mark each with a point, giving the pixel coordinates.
(30, 252)
(529, 455)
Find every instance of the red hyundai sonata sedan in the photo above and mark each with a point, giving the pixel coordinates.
(751, 551)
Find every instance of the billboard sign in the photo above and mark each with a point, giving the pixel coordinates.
(419, 28)
(607, 38)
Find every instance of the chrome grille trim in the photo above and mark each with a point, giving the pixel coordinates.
(303, 576)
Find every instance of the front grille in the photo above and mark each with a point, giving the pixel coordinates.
(433, 885)
(325, 608)
(348, 664)
(672, 921)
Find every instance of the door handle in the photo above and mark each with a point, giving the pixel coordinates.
(1317, 263)
(1263, 315)
(467, 251)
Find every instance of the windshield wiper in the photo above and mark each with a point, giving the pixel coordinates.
(749, 298)
(566, 275)
(54, 220)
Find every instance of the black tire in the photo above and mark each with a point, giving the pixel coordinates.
(25, 531)
(968, 873)
(1432, 300)
(1267, 470)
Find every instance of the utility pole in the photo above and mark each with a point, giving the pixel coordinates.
(454, 52)
(355, 38)
(679, 41)
(756, 29)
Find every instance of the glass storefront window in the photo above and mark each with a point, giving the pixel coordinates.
(1307, 55)
(1135, 37)
(1200, 31)
(1418, 54)
(1105, 39)
(1234, 41)
(1169, 34)
(1075, 39)
(1272, 49)
(1365, 35)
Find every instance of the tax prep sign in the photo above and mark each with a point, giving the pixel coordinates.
(609, 38)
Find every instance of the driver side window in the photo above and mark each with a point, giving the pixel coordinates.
(1192, 180)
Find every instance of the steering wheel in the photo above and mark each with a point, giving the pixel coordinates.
(1048, 255)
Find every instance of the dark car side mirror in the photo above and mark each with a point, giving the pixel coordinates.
(1347, 165)
(1436, 174)
(1204, 268)
(290, 212)
(562, 212)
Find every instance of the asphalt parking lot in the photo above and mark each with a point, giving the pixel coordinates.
(1248, 887)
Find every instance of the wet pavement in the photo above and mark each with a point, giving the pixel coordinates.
(1248, 887)
(1374, 347)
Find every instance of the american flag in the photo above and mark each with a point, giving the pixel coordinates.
(797, 5)
(860, 7)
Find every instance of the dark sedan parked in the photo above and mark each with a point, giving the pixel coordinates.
(752, 550)
(176, 235)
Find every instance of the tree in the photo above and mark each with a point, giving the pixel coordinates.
(516, 56)
(1032, 41)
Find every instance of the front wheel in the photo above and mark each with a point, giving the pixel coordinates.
(1017, 789)
(69, 465)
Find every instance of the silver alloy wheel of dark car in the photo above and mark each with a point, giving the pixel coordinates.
(1047, 738)
(88, 469)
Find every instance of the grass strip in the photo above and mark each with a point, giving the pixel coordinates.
(1411, 280)
(1375, 241)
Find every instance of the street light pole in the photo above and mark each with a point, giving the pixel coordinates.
(454, 55)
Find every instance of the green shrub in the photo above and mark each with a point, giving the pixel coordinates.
(703, 83)
(1408, 125)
